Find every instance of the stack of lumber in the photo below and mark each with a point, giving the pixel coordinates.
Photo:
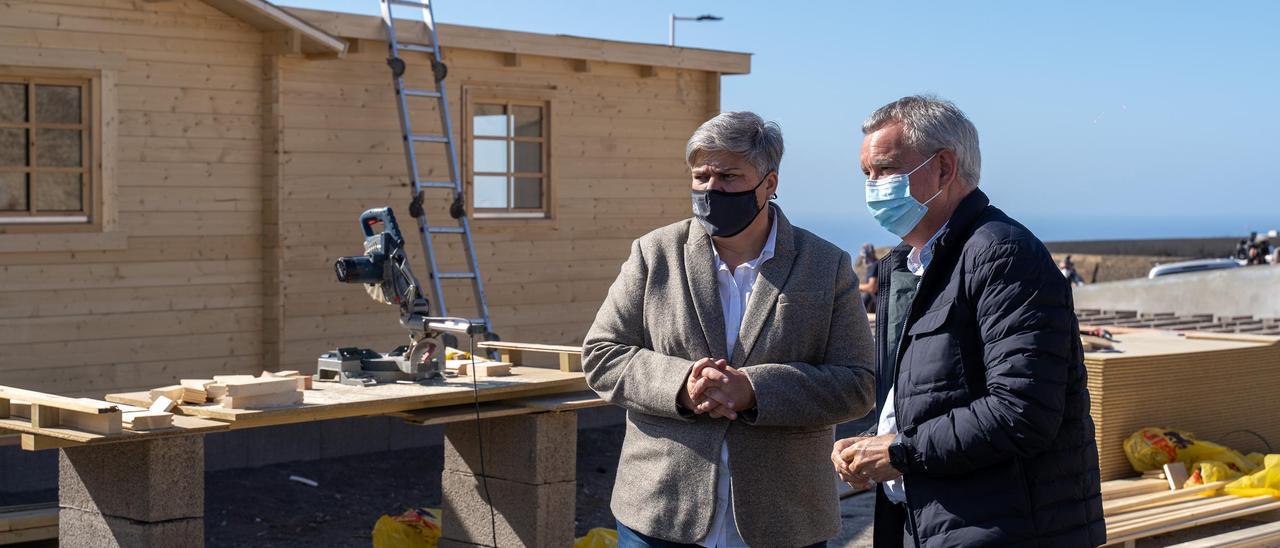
(1205, 383)
(270, 389)
(28, 523)
(1141, 508)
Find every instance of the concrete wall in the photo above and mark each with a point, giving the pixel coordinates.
(1172, 247)
(1251, 291)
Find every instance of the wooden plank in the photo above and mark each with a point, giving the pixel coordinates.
(61, 58)
(265, 401)
(462, 413)
(105, 423)
(42, 438)
(82, 405)
(1259, 535)
(1122, 488)
(1117, 506)
(532, 347)
(147, 420)
(29, 535)
(259, 386)
(572, 401)
(37, 442)
(1220, 512)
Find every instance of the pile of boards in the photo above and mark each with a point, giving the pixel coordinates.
(1206, 383)
(1144, 507)
(270, 389)
(81, 414)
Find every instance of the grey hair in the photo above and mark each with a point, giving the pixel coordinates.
(930, 124)
(743, 133)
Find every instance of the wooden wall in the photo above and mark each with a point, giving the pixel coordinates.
(238, 177)
(181, 295)
(617, 171)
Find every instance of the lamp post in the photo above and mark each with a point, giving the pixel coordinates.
(674, 18)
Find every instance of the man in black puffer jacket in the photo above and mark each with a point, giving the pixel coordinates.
(984, 436)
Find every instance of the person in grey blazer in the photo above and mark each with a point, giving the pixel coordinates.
(735, 341)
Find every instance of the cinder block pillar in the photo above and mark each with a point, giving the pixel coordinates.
(132, 494)
(530, 470)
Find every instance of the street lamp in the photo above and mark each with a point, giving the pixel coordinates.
(674, 18)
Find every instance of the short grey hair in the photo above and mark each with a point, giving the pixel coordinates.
(931, 124)
(743, 133)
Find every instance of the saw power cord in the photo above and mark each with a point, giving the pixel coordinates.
(475, 391)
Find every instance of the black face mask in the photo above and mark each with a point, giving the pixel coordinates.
(726, 214)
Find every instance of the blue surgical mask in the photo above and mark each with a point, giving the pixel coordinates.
(890, 202)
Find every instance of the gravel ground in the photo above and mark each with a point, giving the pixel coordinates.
(261, 507)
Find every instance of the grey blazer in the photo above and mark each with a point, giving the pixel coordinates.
(804, 344)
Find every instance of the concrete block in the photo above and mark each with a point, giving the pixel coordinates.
(525, 515)
(147, 481)
(93, 530)
(534, 449)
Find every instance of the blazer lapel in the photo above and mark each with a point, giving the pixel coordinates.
(700, 270)
(764, 294)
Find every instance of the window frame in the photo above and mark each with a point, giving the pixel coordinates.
(476, 95)
(89, 217)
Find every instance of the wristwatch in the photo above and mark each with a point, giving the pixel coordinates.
(899, 454)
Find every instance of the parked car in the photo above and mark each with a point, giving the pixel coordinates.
(1198, 265)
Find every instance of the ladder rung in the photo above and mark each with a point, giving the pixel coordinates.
(421, 93)
(425, 48)
(410, 3)
(455, 275)
(445, 230)
(429, 138)
(435, 184)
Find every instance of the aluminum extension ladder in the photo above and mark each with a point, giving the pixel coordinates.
(457, 209)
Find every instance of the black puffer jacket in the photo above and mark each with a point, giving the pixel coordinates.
(991, 392)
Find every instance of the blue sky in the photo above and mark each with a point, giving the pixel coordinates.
(1097, 119)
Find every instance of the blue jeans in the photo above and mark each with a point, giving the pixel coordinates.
(628, 538)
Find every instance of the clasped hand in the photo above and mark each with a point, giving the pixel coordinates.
(863, 460)
(717, 389)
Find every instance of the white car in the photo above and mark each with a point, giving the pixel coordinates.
(1198, 265)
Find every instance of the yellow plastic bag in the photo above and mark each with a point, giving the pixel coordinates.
(415, 528)
(598, 538)
(1263, 482)
(1152, 448)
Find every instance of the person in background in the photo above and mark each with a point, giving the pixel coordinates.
(869, 283)
(1068, 270)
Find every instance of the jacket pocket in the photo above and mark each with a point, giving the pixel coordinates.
(932, 320)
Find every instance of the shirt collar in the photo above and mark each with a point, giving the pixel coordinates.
(919, 258)
(766, 253)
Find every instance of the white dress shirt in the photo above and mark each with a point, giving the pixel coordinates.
(917, 260)
(735, 287)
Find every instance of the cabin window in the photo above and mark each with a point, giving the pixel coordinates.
(507, 158)
(45, 151)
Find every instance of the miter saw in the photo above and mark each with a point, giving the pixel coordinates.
(384, 271)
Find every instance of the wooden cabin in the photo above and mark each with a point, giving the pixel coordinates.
(178, 176)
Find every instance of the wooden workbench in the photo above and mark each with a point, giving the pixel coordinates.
(146, 488)
(330, 400)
